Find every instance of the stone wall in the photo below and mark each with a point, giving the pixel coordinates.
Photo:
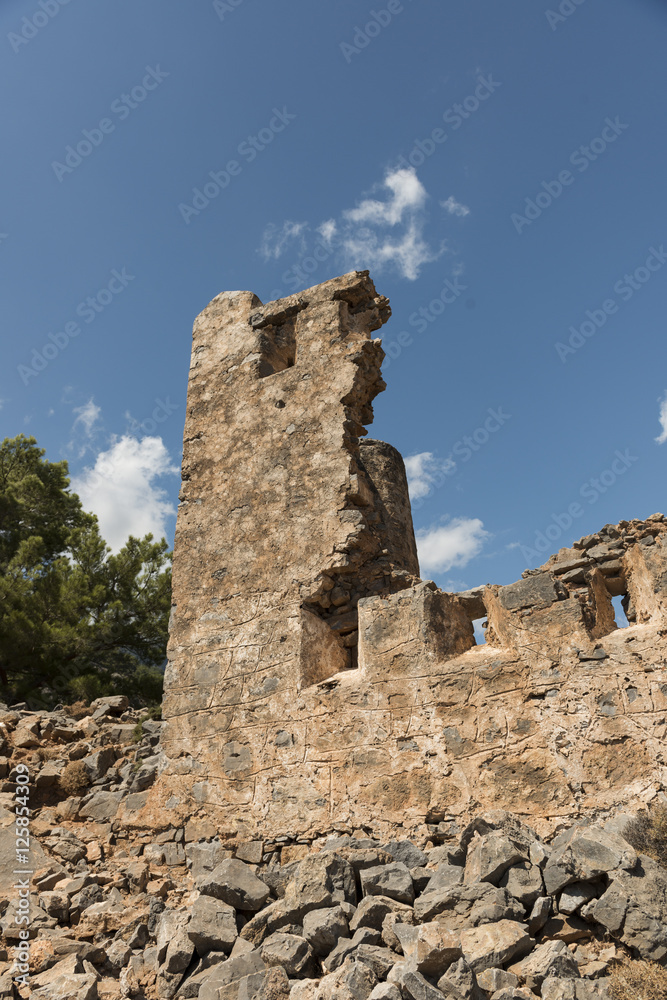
(313, 679)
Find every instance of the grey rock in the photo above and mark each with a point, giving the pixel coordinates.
(407, 852)
(367, 935)
(97, 764)
(445, 877)
(323, 928)
(251, 851)
(336, 957)
(392, 880)
(459, 982)
(352, 981)
(388, 929)
(536, 591)
(583, 854)
(75, 987)
(56, 904)
(202, 858)
(164, 854)
(469, 905)
(495, 944)
(414, 986)
(292, 953)
(234, 883)
(634, 909)
(523, 882)
(175, 949)
(574, 989)
(101, 806)
(385, 991)
(492, 980)
(373, 909)
(421, 878)
(247, 969)
(114, 703)
(490, 855)
(118, 954)
(325, 871)
(212, 925)
(539, 914)
(380, 960)
(552, 958)
(429, 948)
(576, 895)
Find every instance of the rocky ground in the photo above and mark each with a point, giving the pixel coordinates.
(491, 911)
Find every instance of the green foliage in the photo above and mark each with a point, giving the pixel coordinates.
(75, 620)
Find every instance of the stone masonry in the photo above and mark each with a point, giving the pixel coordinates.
(313, 678)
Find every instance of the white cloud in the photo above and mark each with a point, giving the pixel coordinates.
(663, 420)
(327, 230)
(366, 250)
(275, 240)
(454, 207)
(87, 417)
(121, 489)
(423, 471)
(453, 544)
(408, 195)
(84, 428)
(374, 234)
(365, 247)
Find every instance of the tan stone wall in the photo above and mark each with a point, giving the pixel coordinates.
(313, 679)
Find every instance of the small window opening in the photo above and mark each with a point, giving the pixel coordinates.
(620, 606)
(277, 347)
(480, 625)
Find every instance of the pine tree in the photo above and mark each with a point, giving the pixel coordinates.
(73, 617)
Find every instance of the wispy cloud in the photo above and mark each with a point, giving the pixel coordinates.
(276, 239)
(454, 207)
(408, 195)
(452, 544)
(424, 470)
(378, 232)
(662, 417)
(84, 428)
(121, 488)
(87, 417)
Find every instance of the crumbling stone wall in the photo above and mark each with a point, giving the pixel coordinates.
(313, 678)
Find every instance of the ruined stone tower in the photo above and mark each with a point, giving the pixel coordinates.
(313, 678)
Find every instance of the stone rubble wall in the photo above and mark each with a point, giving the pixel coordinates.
(313, 678)
(486, 911)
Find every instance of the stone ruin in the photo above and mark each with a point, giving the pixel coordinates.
(313, 679)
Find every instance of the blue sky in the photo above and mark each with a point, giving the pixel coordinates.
(500, 172)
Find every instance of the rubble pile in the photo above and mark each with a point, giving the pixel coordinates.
(490, 912)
